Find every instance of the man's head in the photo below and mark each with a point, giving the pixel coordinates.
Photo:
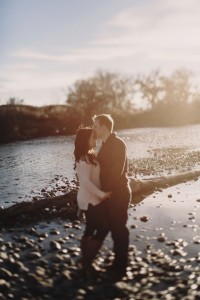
(102, 125)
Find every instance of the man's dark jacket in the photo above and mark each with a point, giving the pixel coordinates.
(112, 157)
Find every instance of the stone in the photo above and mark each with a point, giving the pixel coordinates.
(144, 219)
(4, 285)
(55, 245)
(33, 255)
(5, 274)
(54, 231)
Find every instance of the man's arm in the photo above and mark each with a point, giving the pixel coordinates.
(110, 177)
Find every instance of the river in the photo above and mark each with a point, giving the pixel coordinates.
(28, 167)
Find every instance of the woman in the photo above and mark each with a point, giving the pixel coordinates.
(90, 196)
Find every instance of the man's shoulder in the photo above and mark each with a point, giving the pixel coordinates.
(118, 140)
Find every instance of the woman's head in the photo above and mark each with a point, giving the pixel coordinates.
(84, 143)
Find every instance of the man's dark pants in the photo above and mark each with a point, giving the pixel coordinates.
(117, 214)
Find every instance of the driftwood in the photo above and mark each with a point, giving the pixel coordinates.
(66, 205)
(43, 208)
(141, 189)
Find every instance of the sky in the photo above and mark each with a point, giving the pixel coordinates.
(46, 45)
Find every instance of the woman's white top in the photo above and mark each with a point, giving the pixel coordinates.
(89, 184)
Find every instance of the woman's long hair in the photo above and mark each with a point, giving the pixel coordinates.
(82, 150)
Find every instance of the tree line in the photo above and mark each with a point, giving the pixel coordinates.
(155, 97)
(140, 101)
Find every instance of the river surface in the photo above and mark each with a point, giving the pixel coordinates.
(30, 166)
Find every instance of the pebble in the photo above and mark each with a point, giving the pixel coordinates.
(55, 245)
(161, 238)
(30, 269)
(31, 231)
(43, 235)
(55, 232)
(33, 255)
(67, 274)
(144, 219)
(196, 240)
(40, 271)
(4, 285)
(3, 255)
(5, 274)
(133, 226)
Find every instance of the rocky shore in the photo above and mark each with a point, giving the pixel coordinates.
(39, 258)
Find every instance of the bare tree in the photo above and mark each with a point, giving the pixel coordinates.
(178, 87)
(150, 88)
(104, 92)
(15, 101)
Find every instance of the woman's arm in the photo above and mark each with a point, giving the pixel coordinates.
(84, 174)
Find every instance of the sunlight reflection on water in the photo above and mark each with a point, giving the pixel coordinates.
(141, 140)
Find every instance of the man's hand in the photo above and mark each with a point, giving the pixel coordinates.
(106, 195)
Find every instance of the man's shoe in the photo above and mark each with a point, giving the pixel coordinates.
(115, 275)
(89, 274)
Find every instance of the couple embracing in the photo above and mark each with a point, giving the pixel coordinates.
(104, 193)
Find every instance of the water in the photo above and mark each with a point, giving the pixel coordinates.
(141, 140)
(27, 167)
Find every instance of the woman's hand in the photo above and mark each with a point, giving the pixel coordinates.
(106, 195)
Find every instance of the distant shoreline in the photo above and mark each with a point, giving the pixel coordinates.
(23, 122)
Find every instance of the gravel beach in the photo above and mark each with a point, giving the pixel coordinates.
(40, 260)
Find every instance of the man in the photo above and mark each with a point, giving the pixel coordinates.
(112, 157)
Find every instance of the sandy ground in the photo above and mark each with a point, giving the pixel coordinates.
(41, 260)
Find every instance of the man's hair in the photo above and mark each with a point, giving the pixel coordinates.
(104, 119)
